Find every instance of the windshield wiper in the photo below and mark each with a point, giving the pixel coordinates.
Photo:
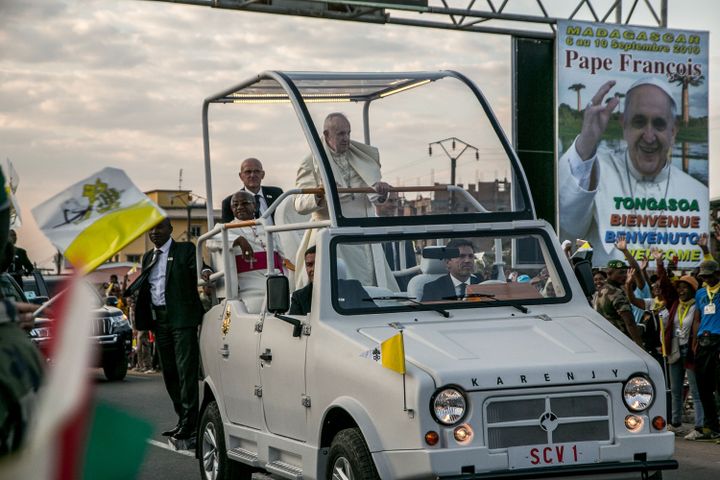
(413, 304)
(491, 296)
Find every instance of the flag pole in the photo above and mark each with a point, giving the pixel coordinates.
(403, 375)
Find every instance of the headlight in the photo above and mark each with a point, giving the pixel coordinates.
(638, 393)
(448, 406)
(119, 321)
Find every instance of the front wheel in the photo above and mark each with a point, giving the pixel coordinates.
(350, 458)
(115, 366)
(214, 463)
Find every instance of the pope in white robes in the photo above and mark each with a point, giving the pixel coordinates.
(353, 164)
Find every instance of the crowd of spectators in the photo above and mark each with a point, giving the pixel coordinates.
(673, 314)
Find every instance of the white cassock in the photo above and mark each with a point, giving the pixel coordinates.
(358, 167)
(587, 213)
(251, 275)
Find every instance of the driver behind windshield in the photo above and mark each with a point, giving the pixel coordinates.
(460, 274)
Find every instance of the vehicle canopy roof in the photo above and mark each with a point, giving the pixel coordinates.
(505, 197)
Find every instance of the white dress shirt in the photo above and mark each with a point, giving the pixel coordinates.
(157, 275)
(457, 283)
(262, 201)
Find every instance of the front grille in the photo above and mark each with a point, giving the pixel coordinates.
(569, 417)
(100, 326)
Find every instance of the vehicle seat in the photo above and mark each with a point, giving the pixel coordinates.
(289, 241)
(431, 269)
(341, 269)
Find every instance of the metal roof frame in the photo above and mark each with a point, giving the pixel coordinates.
(299, 88)
(506, 17)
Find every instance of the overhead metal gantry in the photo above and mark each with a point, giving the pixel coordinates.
(525, 18)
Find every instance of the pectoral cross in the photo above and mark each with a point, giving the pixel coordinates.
(251, 260)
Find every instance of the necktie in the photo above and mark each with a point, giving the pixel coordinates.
(154, 259)
(257, 205)
(462, 288)
(396, 252)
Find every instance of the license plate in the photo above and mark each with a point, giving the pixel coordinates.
(554, 455)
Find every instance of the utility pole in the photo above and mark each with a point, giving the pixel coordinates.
(453, 155)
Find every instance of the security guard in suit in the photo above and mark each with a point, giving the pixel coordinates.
(168, 303)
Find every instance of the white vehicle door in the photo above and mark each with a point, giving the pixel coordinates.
(239, 366)
(282, 373)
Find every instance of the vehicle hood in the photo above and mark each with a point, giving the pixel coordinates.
(515, 352)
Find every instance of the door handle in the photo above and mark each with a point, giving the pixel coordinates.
(225, 351)
(267, 356)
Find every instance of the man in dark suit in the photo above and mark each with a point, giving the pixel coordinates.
(252, 174)
(20, 264)
(300, 301)
(168, 304)
(460, 274)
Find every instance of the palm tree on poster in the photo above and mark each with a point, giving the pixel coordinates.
(686, 81)
(617, 95)
(576, 87)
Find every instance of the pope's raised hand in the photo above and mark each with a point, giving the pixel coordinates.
(595, 121)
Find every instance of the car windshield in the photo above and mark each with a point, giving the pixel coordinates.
(436, 134)
(426, 135)
(445, 271)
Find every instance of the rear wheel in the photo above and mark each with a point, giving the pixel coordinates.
(350, 458)
(214, 463)
(115, 366)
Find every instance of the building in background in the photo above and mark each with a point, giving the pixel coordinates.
(188, 217)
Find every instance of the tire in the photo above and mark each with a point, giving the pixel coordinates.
(115, 367)
(212, 455)
(349, 457)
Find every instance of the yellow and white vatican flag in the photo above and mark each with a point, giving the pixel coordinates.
(96, 217)
(13, 181)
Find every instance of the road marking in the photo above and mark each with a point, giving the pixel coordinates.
(187, 453)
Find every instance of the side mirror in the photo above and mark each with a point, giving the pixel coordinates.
(583, 272)
(440, 253)
(278, 294)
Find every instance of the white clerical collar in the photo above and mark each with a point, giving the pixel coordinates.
(639, 177)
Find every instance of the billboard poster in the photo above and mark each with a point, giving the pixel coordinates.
(632, 109)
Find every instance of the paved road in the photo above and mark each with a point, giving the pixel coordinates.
(145, 396)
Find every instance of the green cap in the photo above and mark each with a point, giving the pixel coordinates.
(708, 267)
(616, 264)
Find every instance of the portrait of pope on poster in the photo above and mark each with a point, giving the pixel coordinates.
(634, 159)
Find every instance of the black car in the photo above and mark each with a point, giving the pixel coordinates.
(111, 330)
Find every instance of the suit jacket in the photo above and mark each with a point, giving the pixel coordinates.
(442, 288)
(270, 193)
(182, 300)
(300, 301)
(20, 265)
(407, 251)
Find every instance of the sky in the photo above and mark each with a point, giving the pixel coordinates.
(86, 84)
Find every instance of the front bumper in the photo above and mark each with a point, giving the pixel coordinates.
(628, 458)
(615, 469)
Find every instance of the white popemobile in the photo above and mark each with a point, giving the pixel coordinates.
(517, 379)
